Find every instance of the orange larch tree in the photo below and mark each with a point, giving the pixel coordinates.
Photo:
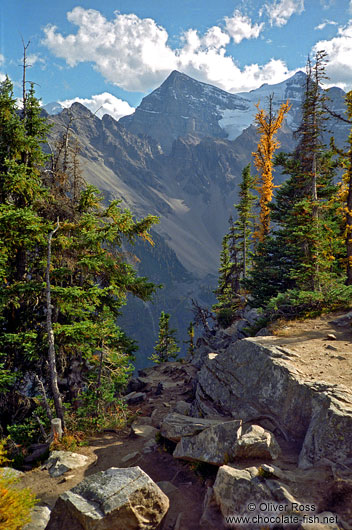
(268, 124)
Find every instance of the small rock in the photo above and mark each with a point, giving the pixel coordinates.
(61, 461)
(130, 456)
(256, 442)
(149, 446)
(182, 407)
(134, 398)
(39, 518)
(331, 336)
(143, 431)
(329, 347)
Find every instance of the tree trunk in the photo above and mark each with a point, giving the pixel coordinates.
(51, 340)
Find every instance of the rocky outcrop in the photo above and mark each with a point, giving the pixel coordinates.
(259, 383)
(117, 498)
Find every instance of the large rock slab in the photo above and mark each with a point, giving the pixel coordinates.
(256, 442)
(125, 499)
(257, 382)
(175, 426)
(215, 445)
(61, 461)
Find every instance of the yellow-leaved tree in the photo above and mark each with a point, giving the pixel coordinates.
(268, 124)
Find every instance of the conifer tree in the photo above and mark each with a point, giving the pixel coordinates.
(166, 347)
(190, 341)
(245, 217)
(89, 275)
(345, 190)
(268, 124)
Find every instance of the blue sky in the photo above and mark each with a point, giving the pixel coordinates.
(112, 52)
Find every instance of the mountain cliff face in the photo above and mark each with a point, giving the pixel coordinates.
(180, 156)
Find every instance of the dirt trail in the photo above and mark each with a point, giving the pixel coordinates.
(109, 451)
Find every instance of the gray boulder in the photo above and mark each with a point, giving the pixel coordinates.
(252, 315)
(233, 488)
(256, 442)
(39, 518)
(175, 426)
(61, 461)
(125, 499)
(11, 473)
(182, 407)
(214, 445)
(134, 398)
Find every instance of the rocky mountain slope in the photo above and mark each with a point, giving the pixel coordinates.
(180, 157)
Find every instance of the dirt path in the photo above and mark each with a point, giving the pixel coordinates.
(187, 491)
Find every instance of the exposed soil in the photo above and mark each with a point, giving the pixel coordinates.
(109, 450)
(318, 358)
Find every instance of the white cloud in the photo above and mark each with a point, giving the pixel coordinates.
(279, 12)
(103, 104)
(2, 58)
(128, 51)
(326, 23)
(134, 54)
(240, 27)
(34, 58)
(339, 50)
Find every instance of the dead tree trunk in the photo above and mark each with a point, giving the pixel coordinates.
(51, 339)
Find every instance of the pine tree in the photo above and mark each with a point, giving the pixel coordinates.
(345, 190)
(268, 124)
(190, 341)
(166, 347)
(245, 218)
(89, 274)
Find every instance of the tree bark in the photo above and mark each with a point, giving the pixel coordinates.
(51, 339)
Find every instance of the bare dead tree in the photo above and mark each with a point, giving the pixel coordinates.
(51, 338)
(201, 317)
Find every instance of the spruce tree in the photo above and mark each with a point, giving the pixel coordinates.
(245, 218)
(345, 189)
(88, 272)
(166, 347)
